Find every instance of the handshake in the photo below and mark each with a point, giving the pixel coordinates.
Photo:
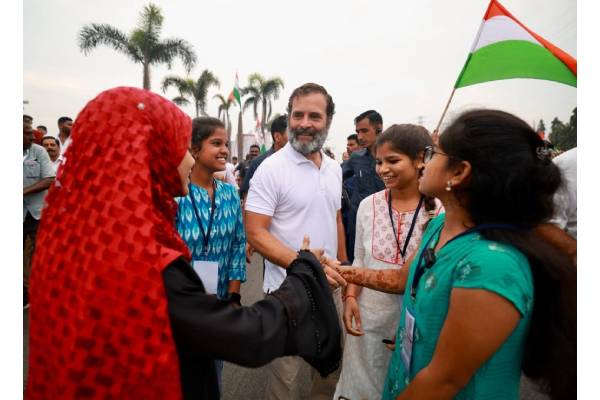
(333, 268)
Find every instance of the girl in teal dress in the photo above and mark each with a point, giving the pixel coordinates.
(485, 297)
(209, 218)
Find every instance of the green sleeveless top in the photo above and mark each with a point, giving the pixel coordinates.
(469, 261)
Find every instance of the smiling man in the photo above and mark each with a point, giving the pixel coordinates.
(296, 192)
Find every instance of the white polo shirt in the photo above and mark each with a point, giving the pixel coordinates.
(565, 198)
(301, 199)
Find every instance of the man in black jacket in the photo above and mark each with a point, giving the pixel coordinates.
(361, 166)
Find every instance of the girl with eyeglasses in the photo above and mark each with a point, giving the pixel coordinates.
(389, 226)
(485, 298)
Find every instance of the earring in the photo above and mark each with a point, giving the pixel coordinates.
(448, 186)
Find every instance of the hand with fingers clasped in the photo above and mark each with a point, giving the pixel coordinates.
(335, 280)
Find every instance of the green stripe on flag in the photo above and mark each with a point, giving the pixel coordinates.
(514, 59)
(236, 94)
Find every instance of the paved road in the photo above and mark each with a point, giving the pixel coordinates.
(248, 383)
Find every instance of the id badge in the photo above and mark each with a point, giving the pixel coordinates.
(407, 342)
(208, 271)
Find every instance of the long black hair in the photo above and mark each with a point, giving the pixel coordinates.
(410, 140)
(512, 182)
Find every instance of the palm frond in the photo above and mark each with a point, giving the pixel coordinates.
(151, 20)
(272, 87)
(221, 99)
(93, 35)
(183, 85)
(251, 101)
(202, 85)
(250, 90)
(145, 41)
(256, 80)
(181, 101)
(169, 49)
(205, 81)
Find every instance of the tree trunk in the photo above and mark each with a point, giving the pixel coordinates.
(146, 76)
(240, 138)
(262, 123)
(228, 124)
(197, 110)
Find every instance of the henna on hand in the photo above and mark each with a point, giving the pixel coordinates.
(383, 280)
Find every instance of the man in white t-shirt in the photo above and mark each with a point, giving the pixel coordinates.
(227, 175)
(565, 198)
(561, 230)
(296, 192)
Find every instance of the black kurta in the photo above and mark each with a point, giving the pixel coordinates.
(297, 319)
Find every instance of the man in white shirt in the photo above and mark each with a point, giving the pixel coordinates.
(296, 192)
(227, 175)
(52, 146)
(565, 198)
(64, 133)
(561, 230)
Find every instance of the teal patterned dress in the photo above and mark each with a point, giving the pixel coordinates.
(470, 261)
(227, 243)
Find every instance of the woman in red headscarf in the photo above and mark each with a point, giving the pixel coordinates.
(116, 309)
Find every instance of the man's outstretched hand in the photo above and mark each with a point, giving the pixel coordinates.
(335, 280)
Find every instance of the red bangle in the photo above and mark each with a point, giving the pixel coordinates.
(349, 295)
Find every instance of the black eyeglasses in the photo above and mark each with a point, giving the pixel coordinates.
(429, 152)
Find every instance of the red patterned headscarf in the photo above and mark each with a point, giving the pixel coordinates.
(99, 320)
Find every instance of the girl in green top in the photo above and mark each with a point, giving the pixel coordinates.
(484, 298)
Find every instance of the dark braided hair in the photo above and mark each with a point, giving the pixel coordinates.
(512, 182)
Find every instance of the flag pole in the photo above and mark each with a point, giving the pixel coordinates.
(437, 128)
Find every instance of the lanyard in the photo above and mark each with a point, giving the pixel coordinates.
(205, 235)
(412, 224)
(428, 254)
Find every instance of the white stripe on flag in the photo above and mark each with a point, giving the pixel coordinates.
(499, 29)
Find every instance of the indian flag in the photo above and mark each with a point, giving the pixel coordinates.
(505, 48)
(235, 92)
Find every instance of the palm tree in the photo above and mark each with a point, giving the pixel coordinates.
(262, 91)
(143, 45)
(224, 105)
(187, 87)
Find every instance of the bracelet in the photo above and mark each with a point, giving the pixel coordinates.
(349, 295)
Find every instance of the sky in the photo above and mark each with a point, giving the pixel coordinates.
(400, 58)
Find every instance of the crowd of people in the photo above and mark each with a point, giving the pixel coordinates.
(421, 267)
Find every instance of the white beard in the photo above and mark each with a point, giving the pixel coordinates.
(307, 148)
